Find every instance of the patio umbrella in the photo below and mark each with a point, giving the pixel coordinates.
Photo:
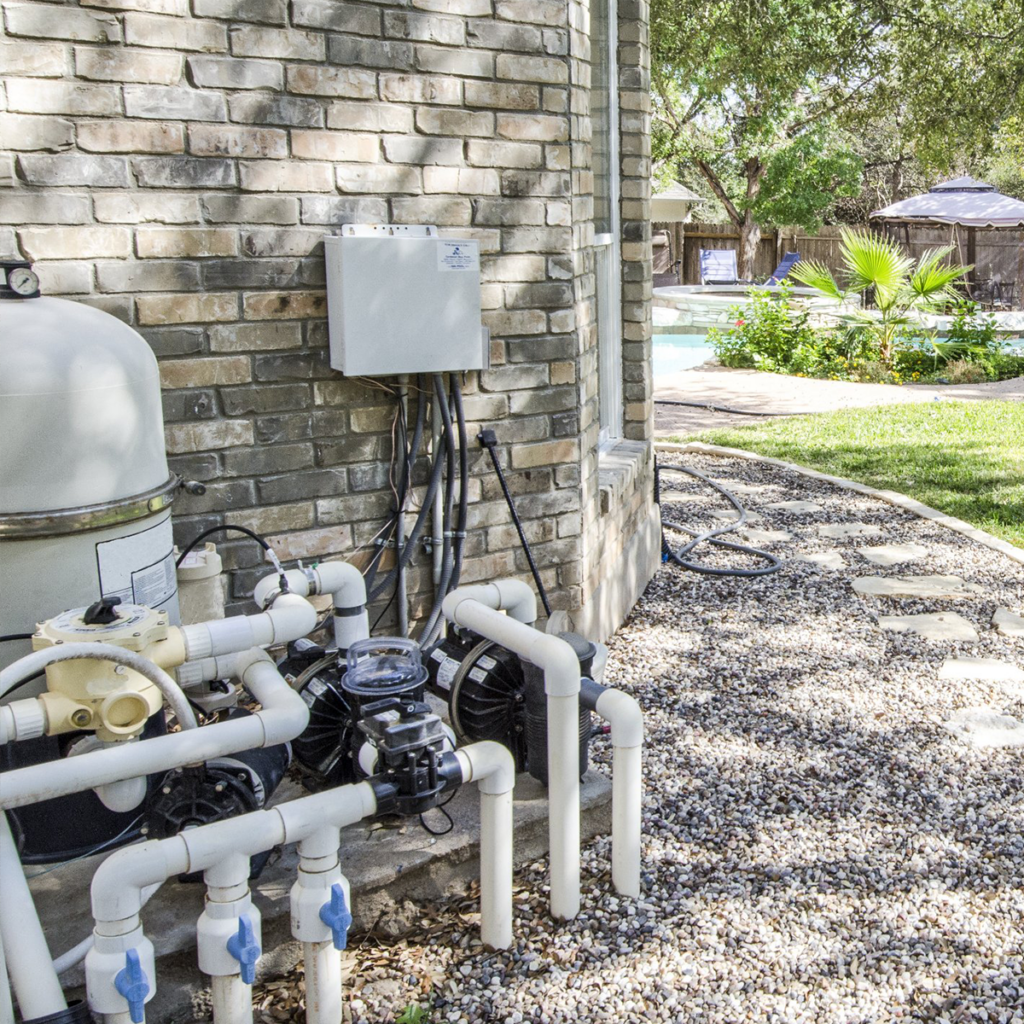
(963, 202)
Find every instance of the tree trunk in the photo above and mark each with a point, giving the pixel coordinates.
(750, 237)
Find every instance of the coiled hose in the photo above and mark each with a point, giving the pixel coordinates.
(678, 555)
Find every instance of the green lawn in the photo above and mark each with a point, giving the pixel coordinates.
(965, 458)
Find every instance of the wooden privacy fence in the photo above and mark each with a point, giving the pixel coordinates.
(999, 253)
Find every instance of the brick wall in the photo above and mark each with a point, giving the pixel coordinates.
(178, 166)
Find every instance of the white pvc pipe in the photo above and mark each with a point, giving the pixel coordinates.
(6, 1006)
(514, 597)
(290, 616)
(31, 664)
(345, 584)
(232, 999)
(26, 953)
(323, 983)
(283, 716)
(561, 670)
(493, 767)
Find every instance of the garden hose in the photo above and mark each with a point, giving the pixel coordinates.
(677, 555)
(725, 408)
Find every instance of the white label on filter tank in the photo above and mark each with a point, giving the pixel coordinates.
(139, 569)
(457, 256)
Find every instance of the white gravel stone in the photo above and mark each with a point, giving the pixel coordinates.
(754, 536)
(932, 626)
(823, 559)
(893, 554)
(915, 586)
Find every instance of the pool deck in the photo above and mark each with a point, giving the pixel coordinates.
(779, 393)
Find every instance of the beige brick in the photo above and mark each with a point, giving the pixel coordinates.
(33, 60)
(108, 65)
(68, 243)
(191, 242)
(251, 209)
(281, 241)
(563, 373)
(547, 453)
(187, 308)
(511, 322)
(557, 158)
(466, 181)
(228, 140)
(425, 28)
(514, 268)
(234, 73)
(46, 22)
(445, 60)
(335, 146)
(284, 305)
(40, 96)
(138, 208)
(285, 176)
(432, 210)
(548, 70)
(331, 540)
(351, 83)
(536, 12)
(47, 207)
(372, 420)
(420, 89)
(205, 372)
(438, 121)
(533, 127)
(131, 137)
(268, 12)
(370, 117)
(336, 16)
(273, 518)
(379, 178)
(26, 132)
(154, 30)
(207, 436)
(288, 44)
(255, 337)
(488, 153)
(176, 7)
(496, 94)
(468, 8)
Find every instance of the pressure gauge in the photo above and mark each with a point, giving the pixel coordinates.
(23, 282)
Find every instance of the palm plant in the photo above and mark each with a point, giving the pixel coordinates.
(903, 291)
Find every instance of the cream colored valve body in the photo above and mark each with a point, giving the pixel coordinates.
(113, 700)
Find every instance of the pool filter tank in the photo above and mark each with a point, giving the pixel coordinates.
(85, 492)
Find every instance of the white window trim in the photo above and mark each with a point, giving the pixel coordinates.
(609, 328)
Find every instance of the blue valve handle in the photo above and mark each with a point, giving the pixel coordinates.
(132, 983)
(245, 949)
(335, 914)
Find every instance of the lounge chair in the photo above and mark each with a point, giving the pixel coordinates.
(781, 272)
(718, 266)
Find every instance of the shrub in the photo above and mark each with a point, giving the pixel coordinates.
(766, 332)
(962, 371)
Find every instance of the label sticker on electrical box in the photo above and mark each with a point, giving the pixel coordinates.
(457, 256)
(139, 568)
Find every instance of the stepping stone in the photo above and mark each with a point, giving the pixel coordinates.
(986, 727)
(1008, 623)
(795, 506)
(989, 670)
(893, 554)
(763, 536)
(934, 626)
(840, 530)
(824, 559)
(915, 586)
(737, 487)
(731, 513)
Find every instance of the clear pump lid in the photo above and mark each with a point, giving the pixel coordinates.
(382, 666)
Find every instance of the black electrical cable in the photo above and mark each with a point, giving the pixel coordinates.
(8, 637)
(460, 524)
(218, 529)
(489, 440)
(440, 807)
(677, 555)
(724, 408)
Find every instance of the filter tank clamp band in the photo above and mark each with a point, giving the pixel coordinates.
(89, 517)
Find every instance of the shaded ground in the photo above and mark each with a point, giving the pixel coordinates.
(817, 847)
(776, 392)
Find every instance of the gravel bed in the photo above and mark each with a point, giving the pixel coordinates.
(816, 846)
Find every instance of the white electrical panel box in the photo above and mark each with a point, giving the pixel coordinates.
(401, 299)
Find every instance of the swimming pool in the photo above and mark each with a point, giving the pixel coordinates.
(675, 352)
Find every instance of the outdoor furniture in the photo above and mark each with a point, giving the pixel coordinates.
(1006, 293)
(786, 264)
(718, 266)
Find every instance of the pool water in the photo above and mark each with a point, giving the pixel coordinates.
(675, 352)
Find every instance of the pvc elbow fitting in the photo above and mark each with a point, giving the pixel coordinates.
(560, 664)
(284, 714)
(511, 596)
(623, 713)
(118, 883)
(490, 764)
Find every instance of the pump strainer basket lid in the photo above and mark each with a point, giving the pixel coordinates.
(383, 666)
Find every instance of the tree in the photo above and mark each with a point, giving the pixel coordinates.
(748, 93)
